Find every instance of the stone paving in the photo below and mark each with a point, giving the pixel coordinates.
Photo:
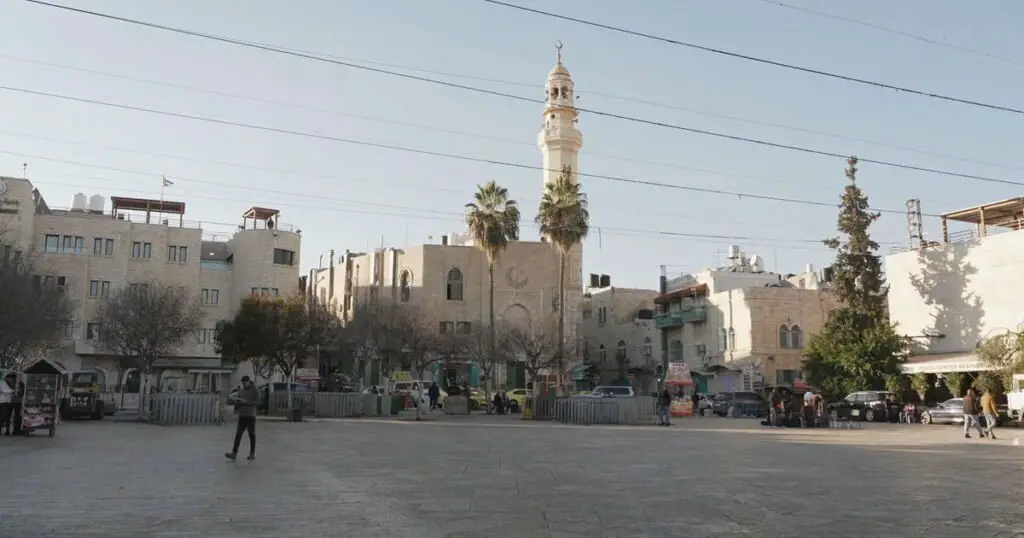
(506, 478)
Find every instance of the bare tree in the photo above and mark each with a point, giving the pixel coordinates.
(33, 312)
(147, 321)
(417, 337)
(536, 349)
(489, 348)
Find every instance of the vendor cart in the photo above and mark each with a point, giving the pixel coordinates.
(39, 403)
(680, 385)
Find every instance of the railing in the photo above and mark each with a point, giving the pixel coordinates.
(591, 411)
(214, 264)
(331, 404)
(746, 410)
(679, 317)
(181, 408)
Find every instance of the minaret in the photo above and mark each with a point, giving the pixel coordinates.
(559, 139)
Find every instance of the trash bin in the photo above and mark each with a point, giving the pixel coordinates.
(295, 415)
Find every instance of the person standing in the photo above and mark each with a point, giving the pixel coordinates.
(988, 408)
(434, 392)
(245, 400)
(695, 402)
(7, 405)
(664, 406)
(971, 414)
(775, 409)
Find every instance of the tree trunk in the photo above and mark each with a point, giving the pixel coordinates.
(288, 388)
(419, 388)
(144, 369)
(561, 320)
(491, 339)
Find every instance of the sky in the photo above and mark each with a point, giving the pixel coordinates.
(349, 196)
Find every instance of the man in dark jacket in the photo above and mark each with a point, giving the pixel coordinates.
(664, 406)
(245, 400)
(971, 414)
(434, 392)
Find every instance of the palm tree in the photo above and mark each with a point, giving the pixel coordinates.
(493, 219)
(563, 220)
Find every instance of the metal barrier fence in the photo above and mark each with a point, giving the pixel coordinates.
(587, 411)
(326, 404)
(182, 408)
(540, 407)
(746, 410)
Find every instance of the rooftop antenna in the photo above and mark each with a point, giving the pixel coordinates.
(24, 170)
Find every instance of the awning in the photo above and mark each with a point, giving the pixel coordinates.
(944, 363)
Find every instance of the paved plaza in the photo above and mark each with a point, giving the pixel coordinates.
(506, 478)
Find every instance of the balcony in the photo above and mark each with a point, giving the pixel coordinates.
(668, 320)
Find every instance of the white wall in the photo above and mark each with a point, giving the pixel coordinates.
(966, 291)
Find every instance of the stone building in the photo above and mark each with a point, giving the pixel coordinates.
(951, 295)
(739, 327)
(619, 337)
(92, 249)
(450, 280)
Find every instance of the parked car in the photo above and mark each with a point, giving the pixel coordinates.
(871, 406)
(610, 391)
(951, 411)
(519, 395)
(722, 401)
(265, 389)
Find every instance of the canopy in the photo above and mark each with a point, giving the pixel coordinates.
(44, 367)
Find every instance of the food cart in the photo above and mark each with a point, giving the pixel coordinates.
(39, 406)
(679, 385)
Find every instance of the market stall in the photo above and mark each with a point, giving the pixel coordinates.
(680, 385)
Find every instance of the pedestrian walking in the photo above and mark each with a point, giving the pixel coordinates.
(245, 400)
(971, 414)
(988, 408)
(695, 401)
(664, 405)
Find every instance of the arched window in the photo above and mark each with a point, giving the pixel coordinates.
(796, 337)
(454, 287)
(620, 350)
(405, 286)
(784, 341)
(602, 353)
(648, 347)
(723, 339)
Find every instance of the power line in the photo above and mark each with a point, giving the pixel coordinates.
(792, 67)
(705, 132)
(452, 216)
(892, 31)
(506, 140)
(432, 153)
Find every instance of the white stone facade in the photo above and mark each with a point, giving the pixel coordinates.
(92, 252)
(619, 322)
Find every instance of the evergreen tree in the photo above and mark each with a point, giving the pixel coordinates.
(857, 349)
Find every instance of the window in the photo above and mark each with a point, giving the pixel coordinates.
(92, 331)
(67, 244)
(602, 353)
(254, 291)
(67, 329)
(274, 292)
(701, 350)
(104, 289)
(79, 244)
(210, 296)
(786, 377)
(201, 336)
(677, 350)
(147, 251)
(94, 288)
(404, 287)
(265, 292)
(620, 351)
(784, 337)
(138, 287)
(648, 347)
(108, 247)
(136, 250)
(97, 246)
(723, 339)
(283, 257)
(51, 243)
(732, 338)
(446, 327)
(796, 337)
(463, 327)
(454, 287)
(602, 315)
(177, 254)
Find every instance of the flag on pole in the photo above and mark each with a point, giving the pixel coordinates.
(167, 182)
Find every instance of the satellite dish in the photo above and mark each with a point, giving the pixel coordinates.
(756, 264)
(270, 224)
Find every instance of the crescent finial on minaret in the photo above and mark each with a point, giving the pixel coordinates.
(558, 50)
